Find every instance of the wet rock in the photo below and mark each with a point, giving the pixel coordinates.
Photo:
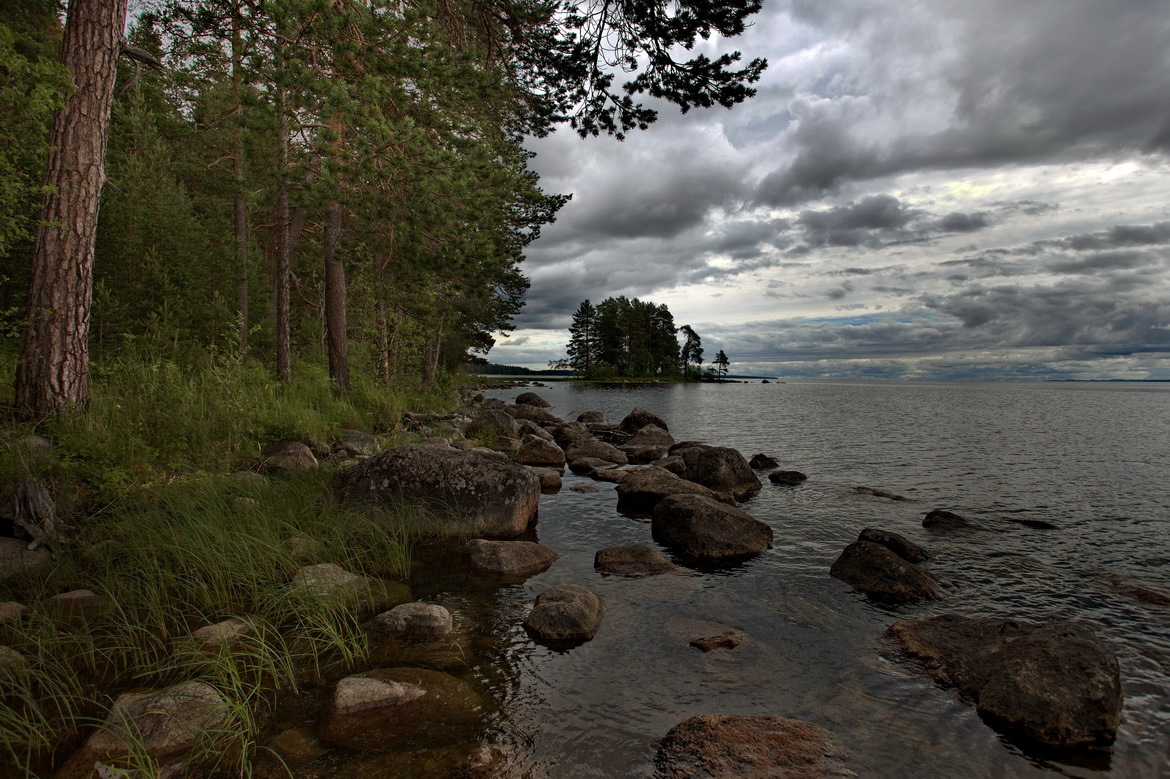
(641, 490)
(948, 521)
(720, 468)
(289, 456)
(610, 475)
(538, 415)
(16, 558)
(550, 478)
(638, 419)
(32, 447)
(393, 707)
(762, 461)
(633, 560)
(566, 613)
(787, 478)
(537, 451)
(584, 488)
(570, 432)
(701, 529)
(491, 423)
(414, 622)
(1138, 590)
(76, 605)
(229, 632)
(527, 427)
(509, 558)
(592, 448)
(166, 723)
(728, 639)
(297, 746)
(591, 417)
(899, 545)
(644, 454)
(718, 745)
(880, 494)
(1053, 684)
(532, 399)
(1035, 524)
(463, 491)
(673, 463)
(587, 465)
(884, 576)
(652, 435)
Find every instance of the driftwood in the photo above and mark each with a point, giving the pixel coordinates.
(33, 514)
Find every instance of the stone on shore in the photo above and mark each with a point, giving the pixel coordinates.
(463, 490)
(1055, 684)
(762, 461)
(532, 399)
(787, 478)
(899, 545)
(491, 423)
(719, 745)
(701, 529)
(537, 415)
(948, 521)
(720, 468)
(641, 490)
(565, 614)
(884, 576)
(414, 622)
(229, 632)
(395, 707)
(539, 452)
(634, 560)
(592, 448)
(638, 419)
(330, 582)
(550, 478)
(591, 417)
(509, 558)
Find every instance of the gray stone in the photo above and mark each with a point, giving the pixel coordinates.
(652, 435)
(464, 492)
(633, 560)
(491, 423)
(328, 581)
(564, 614)
(641, 490)
(883, 575)
(528, 427)
(532, 399)
(229, 632)
(11, 661)
(702, 529)
(533, 413)
(591, 447)
(359, 443)
(591, 417)
(1055, 684)
(11, 611)
(166, 723)
(550, 478)
(290, 456)
(538, 451)
(415, 622)
(303, 549)
(638, 419)
(719, 745)
(720, 468)
(509, 558)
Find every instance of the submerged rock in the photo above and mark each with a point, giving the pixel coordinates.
(1053, 684)
(509, 558)
(948, 521)
(787, 478)
(761, 461)
(414, 622)
(899, 545)
(883, 575)
(718, 745)
(565, 614)
(880, 494)
(633, 560)
(703, 530)
(463, 491)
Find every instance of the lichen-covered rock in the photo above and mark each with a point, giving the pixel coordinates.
(592, 448)
(565, 614)
(491, 422)
(899, 545)
(398, 707)
(633, 560)
(229, 632)
(327, 581)
(539, 452)
(359, 443)
(642, 490)
(720, 468)
(509, 558)
(718, 745)
(166, 723)
(463, 491)
(1055, 684)
(702, 529)
(290, 456)
(883, 575)
(550, 478)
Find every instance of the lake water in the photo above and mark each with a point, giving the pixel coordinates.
(1092, 459)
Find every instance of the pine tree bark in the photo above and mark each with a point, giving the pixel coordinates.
(239, 205)
(52, 375)
(335, 301)
(283, 279)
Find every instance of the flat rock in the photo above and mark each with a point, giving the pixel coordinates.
(702, 529)
(415, 622)
(787, 478)
(565, 614)
(229, 632)
(165, 723)
(633, 560)
(538, 451)
(1055, 684)
(463, 491)
(642, 490)
(719, 745)
(884, 576)
(584, 488)
(610, 475)
(594, 449)
(899, 545)
(509, 558)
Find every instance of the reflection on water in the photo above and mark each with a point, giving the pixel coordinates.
(1091, 460)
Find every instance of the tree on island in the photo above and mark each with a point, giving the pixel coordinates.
(584, 348)
(721, 363)
(692, 350)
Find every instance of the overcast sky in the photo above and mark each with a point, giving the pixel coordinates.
(944, 189)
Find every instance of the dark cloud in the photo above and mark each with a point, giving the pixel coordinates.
(965, 223)
(869, 222)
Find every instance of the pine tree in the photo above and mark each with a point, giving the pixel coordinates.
(583, 348)
(692, 350)
(722, 363)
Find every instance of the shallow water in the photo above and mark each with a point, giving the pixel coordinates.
(1091, 459)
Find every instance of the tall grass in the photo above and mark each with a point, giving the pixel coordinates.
(172, 543)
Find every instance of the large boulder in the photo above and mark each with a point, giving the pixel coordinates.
(787, 478)
(509, 558)
(165, 723)
(762, 461)
(537, 451)
(641, 490)
(652, 435)
(491, 423)
(638, 419)
(398, 707)
(883, 575)
(565, 614)
(899, 545)
(719, 745)
(1055, 684)
(414, 622)
(464, 492)
(591, 447)
(720, 468)
(633, 560)
(532, 399)
(537, 415)
(591, 418)
(701, 529)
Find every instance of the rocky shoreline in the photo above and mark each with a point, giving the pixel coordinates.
(479, 474)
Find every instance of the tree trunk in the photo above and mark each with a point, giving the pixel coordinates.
(431, 365)
(239, 206)
(52, 374)
(283, 248)
(335, 302)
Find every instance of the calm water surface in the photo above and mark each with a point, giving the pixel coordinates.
(1094, 460)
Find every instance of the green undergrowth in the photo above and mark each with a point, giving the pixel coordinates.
(172, 539)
